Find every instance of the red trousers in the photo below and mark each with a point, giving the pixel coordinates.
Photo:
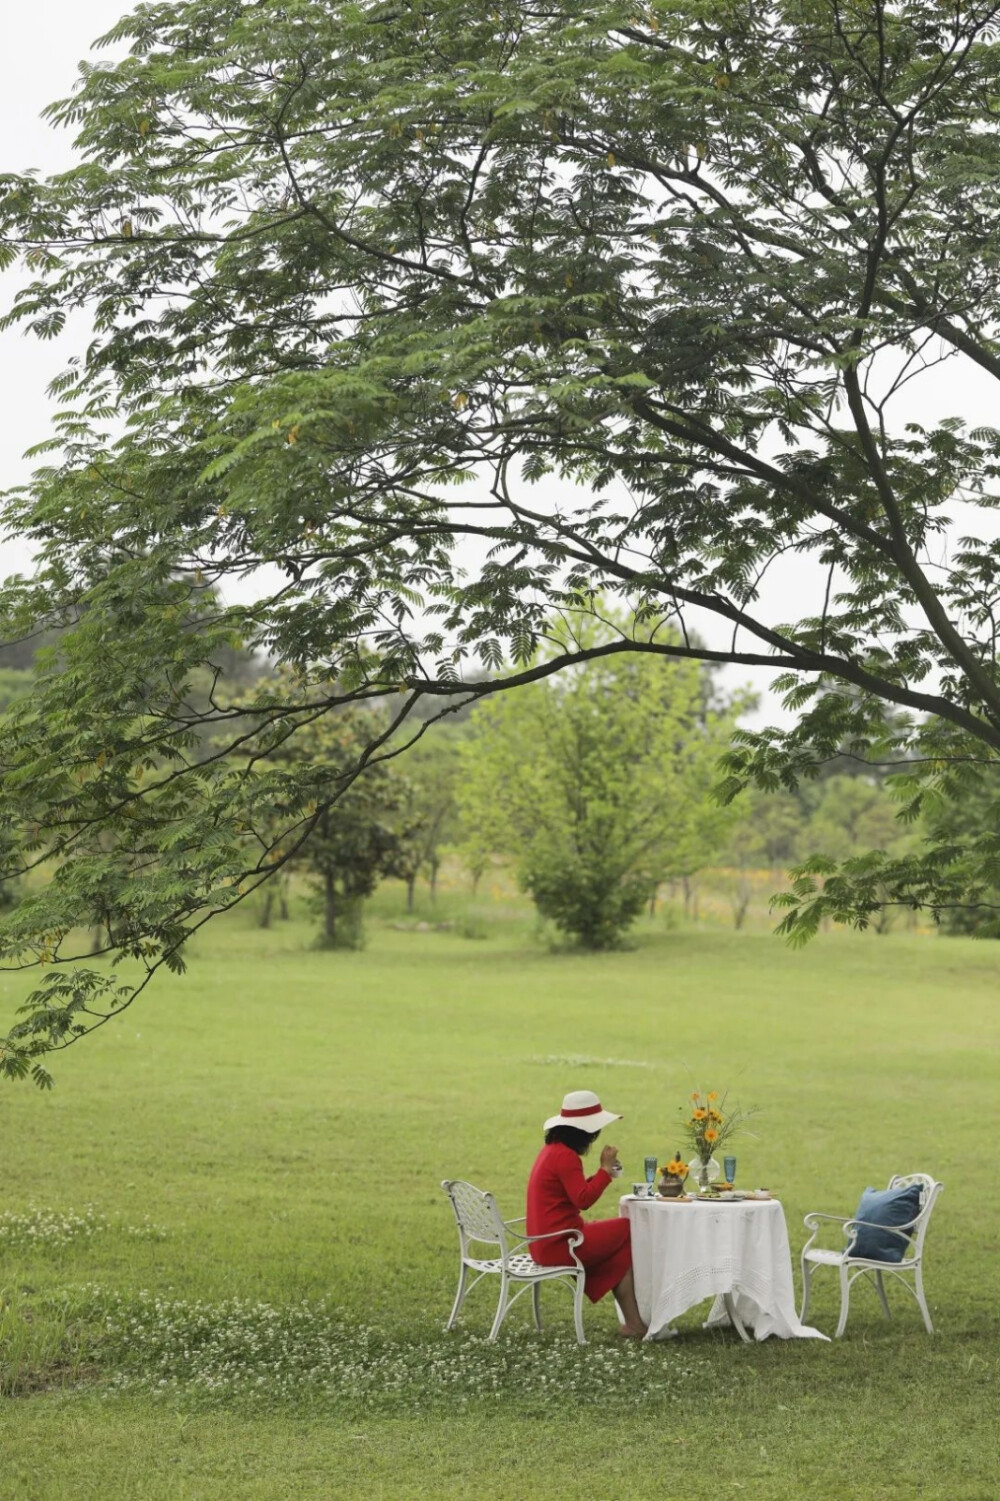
(606, 1253)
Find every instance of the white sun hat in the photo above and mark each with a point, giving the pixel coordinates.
(582, 1109)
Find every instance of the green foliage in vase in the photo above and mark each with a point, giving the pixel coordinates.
(457, 316)
(596, 781)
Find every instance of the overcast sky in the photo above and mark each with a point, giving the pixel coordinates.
(48, 38)
(43, 42)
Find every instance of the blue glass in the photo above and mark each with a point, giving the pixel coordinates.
(649, 1164)
(729, 1168)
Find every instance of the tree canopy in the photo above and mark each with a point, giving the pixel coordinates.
(438, 320)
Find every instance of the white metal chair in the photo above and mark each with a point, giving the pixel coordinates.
(480, 1223)
(852, 1267)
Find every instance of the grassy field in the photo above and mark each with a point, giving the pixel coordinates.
(226, 1260)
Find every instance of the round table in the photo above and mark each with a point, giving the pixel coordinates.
(737, 1253)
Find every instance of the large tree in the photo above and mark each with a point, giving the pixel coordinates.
(597, 783)
(678, 260)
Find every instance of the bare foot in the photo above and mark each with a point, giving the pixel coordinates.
(632, 1331)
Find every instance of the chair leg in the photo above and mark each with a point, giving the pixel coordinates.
(881, 1293)
(459, 1296)
(845, 1294)
(918, 1288)
(536, 1305)
(581, 1338)
(501, 1307)
(806, 1275)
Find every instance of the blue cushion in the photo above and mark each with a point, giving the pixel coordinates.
(885, 1206)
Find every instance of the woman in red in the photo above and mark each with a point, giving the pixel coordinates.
(558, 1190)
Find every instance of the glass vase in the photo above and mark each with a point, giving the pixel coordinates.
(703, 1172)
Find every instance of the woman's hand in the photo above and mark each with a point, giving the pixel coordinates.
(609, 1160)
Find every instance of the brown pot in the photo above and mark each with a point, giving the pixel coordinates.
(670, 1188)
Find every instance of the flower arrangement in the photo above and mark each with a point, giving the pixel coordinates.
(710, 1124)
(675, 1168)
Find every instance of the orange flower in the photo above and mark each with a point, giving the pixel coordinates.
(713, 1094)
(711, 1134)
(699, 1115)
(696, 1096)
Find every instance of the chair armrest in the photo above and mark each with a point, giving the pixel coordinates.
(554, 1235)
(574, 1239)
(509, 1224)
(902, 1230)
(851, 1233)
(812, 1222)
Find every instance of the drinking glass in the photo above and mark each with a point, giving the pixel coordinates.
(650, 1163)
(729, 1168)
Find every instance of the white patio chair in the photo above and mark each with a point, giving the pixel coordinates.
(852, 1267)
(480, 1223)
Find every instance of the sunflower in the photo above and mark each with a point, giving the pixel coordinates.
(711, 1134)
(713, 1094)
(699, 1115)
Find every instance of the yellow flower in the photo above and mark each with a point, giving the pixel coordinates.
(714, 1115)
(696, 1096)
(713, 1094)
(711, 1134)
(699, 1115)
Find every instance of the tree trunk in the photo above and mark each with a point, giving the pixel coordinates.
(283, 911)
(264, 919)
(434, 880)
(329, 907)
(411, 886)
(740, 901)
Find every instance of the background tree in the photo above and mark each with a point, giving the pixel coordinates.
(355, 839)
(836, 817)
(593, 781)
(681, 264)
(967, 823)
(432, 772)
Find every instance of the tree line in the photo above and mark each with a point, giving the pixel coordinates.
(598, 786)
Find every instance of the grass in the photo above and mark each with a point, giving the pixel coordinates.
(226, 1261)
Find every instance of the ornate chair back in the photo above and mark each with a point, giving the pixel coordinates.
(929, 1191)
(477, 1216)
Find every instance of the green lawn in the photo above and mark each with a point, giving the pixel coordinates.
(226, 1259)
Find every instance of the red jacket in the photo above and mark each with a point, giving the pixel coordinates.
(558, 1190)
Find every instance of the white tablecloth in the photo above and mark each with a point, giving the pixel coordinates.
(683, 1253)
